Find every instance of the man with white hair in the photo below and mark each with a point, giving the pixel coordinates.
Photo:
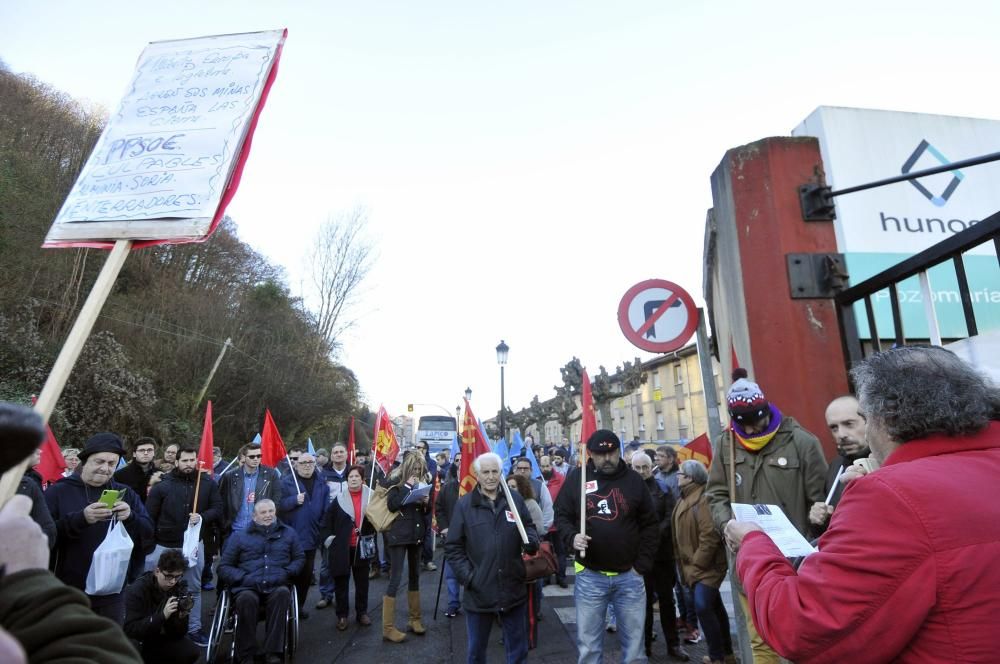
(484, 549)
(907, 570)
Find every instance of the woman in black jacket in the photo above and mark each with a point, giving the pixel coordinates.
(349, 538)
(403, 540)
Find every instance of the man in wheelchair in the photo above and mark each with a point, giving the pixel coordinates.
(257, 566)
(157, 609)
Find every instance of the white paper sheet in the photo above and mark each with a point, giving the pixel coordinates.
(777, 526)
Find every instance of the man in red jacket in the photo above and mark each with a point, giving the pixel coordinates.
(907, 570)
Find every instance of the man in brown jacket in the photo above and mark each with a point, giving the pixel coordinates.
(777, 463)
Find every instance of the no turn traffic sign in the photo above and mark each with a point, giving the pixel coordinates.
(657, 315)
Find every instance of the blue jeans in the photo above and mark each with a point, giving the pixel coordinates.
(454, 601)
(714, 620)
(593, 592)
(325, 580)
(515, 638)
(685, 603)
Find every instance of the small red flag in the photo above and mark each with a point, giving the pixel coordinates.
(206, 452)
(52, 464)
(350, 443)
(699, 449)
(473, 444)
(384, 442)
(272, 448)
(589, 424)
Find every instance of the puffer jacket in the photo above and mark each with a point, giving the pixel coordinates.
(484, 551)
(698, 546)
(261, 558)
(790, 472)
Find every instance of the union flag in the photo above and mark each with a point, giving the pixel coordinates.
(384, 442)
(272, 448)
(589, 424)
(473, 444)
(699, 449)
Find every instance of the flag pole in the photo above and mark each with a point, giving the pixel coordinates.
(291, 469)
(583, 493)
(197, 485)
(224, 470)
(513, 510)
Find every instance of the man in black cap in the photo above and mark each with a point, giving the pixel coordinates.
(82, 520)
(619, 546)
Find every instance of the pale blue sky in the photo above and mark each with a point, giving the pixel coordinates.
(523, 163)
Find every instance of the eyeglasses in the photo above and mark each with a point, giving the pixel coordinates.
(253, 456)
(172, 577)
(307, 463)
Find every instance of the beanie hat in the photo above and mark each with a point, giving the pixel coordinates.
(102, 442)
(746, 401)
(603, 441)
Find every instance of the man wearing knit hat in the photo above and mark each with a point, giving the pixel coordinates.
(622, 536)
(82, 519)
(777, 463)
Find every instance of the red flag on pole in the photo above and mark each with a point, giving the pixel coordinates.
(272, 448)
(206, 452)
(384, 442)
(350, 443)
(589, 424)
(473, 444)
(52, 464)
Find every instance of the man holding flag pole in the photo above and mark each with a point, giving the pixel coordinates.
(606, 513)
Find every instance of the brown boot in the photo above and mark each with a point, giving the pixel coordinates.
(389, 631)
(414, 624)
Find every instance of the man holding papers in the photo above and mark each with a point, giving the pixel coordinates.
(907, 570)
(777, 462)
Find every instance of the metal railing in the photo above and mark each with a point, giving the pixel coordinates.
(950, 249)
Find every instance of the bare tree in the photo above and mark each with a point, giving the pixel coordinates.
(339, 260)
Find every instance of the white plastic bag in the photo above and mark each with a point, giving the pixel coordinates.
(109, 566)
(190, 547)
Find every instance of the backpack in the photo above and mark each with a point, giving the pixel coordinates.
(378, 511)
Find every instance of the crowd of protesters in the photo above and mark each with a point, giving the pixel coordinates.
(903, 569)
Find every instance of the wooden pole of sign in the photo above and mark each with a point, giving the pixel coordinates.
(583, 493)
(211, 374)
(70, 353)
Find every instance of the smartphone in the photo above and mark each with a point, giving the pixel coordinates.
(109, 497)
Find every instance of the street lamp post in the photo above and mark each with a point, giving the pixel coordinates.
(468, 394)
(502, 350)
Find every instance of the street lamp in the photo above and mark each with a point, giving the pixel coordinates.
(502, 350)
(468, 394)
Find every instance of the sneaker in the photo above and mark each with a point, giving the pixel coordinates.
(451, 613)
(692, 635)
(199, 638)
(612, 628)
(323, 603)
(430, 567)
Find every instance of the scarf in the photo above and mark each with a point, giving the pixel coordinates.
(756, 442)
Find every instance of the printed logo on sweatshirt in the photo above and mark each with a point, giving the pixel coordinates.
(607, 507)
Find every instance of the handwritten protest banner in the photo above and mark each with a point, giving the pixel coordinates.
(165, 159)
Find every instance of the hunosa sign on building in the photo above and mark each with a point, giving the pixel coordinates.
(879, 227)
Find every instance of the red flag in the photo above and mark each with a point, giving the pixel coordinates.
(473, 444)
(206, 453)
(51, 464)
(350, 443)
(589, 424)
(384, 442)
(699, 449)
(272, 448)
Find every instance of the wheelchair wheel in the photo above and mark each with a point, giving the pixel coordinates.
(218, 628)
(292, 639)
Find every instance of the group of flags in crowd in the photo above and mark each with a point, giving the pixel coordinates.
(471, 440)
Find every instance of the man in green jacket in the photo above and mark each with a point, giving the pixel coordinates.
(777, 463)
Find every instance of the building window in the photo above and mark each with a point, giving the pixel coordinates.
(656, 380)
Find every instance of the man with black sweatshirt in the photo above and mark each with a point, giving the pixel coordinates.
(619, 546)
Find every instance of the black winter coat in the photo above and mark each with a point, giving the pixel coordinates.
(268, 485)
(484, 551)
(134, 477)
(408, 528)
(169, 505)
(664, 504)
(260, 558)
(339, 521)
(31, 488)
(144, 602)
(445, 505)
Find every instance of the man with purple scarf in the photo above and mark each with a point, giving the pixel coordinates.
(777, 463)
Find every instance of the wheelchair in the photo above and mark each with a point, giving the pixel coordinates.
(222, 636)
